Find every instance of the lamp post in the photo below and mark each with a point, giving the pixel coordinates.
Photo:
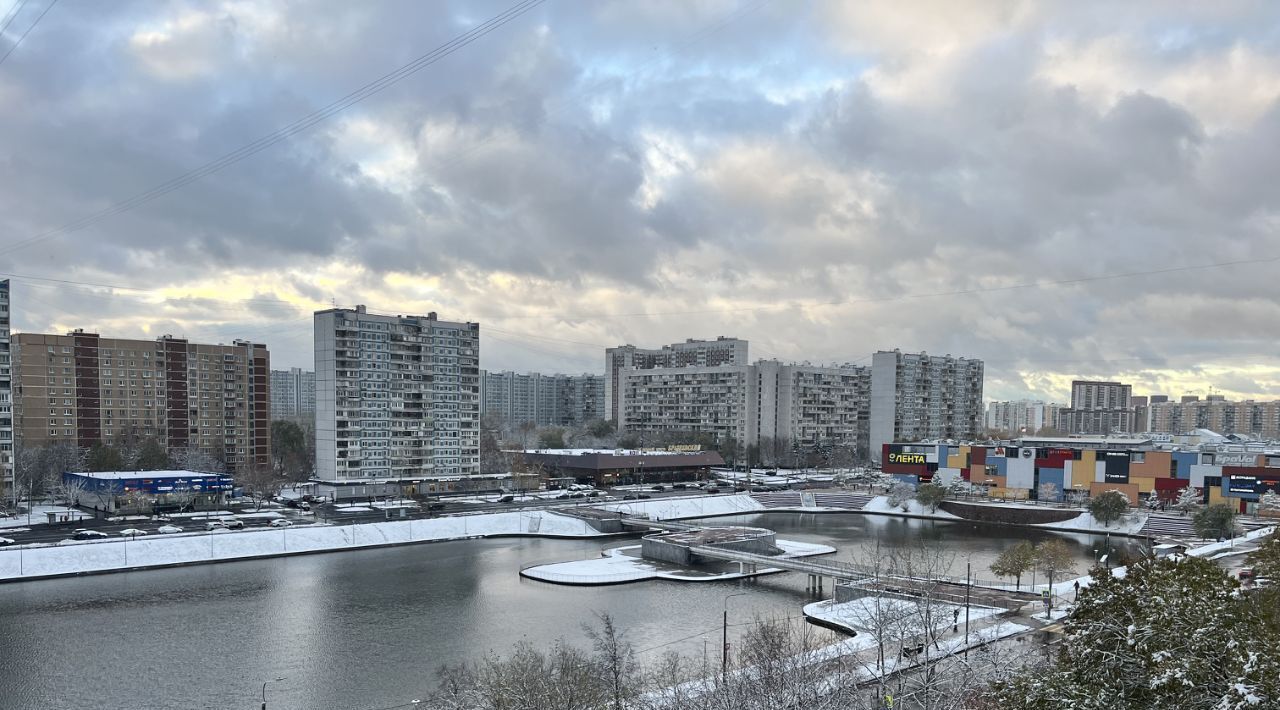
(724, 649)
(264, 691)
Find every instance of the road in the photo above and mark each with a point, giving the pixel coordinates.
(46, 533)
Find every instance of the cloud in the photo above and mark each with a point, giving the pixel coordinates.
(813, 178)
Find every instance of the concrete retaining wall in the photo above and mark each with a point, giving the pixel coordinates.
(1007, 514)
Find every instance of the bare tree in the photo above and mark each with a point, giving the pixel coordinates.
(260, 482)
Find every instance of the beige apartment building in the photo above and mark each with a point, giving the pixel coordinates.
(1250, 418)
(83, 389)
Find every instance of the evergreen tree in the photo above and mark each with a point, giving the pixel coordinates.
(1216, 521)
(930, 495)
(1109, 507)
(1170, 633)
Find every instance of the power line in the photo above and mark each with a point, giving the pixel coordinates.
(374, 87)
(933, 294)
(11, 16)
(24, 34)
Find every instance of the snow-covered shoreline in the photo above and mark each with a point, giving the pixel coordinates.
(117, 555)
(26, 562)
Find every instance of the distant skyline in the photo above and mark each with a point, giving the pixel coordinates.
(824, 179)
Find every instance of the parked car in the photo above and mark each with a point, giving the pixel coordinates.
(680, 486)
(215, 525)
(83, 534)
(631, 496)
(643, 495)
(507, 499)
(658, 488)
(5, 541)
(132, 532)
(435, 506)
(232, 523)
(280, 523)
(168, 529)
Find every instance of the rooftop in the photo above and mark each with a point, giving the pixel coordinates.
(121, 475)
(608, 452)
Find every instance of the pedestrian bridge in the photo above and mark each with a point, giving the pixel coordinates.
(818, 570)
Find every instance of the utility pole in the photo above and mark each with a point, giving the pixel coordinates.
(968, 568)
(724, 648)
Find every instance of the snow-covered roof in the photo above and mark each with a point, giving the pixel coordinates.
(610, 452)
(120, 475)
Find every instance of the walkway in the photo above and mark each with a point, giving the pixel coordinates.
(839, 571)
(1180, 526)
(796, 499)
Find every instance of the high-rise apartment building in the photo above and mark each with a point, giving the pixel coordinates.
(6, 393)
(921, 396)
(720, 400)
(545, 400)
(293, 394)
(1100, 408)
(1023, 416)
(1248, 418)
(810, 406)
(801, 405)
(84, 389)
(397, 397)
(581, 399)
(690, 353)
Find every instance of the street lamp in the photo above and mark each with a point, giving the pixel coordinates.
(264, 691)
(724, 649)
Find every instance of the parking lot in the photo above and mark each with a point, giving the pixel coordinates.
(362, 511)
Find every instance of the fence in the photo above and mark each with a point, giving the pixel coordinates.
(29, 561)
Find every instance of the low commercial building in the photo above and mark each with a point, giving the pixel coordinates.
(158, 490)
(1039, 469)
(608, 467)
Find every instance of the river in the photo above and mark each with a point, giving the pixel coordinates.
(368, 629)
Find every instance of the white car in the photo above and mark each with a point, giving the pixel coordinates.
(132, 532)
(5, 541)
(167, 529)
(280, 523)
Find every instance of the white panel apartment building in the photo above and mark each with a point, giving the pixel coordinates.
(812, 405)
(1023, 416)
(293, 394)
(802, 404)
(397, 397)
(690, 353)
(916, 396)
(545, 400)
(720, 401)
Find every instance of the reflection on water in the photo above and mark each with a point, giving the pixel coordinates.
(369, 628)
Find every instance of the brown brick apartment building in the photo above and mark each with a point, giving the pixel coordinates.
(82, 389)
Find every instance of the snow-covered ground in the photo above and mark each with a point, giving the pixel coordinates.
(693, 507)
(617, 566)
(865, 613)
(29, 561)
(40, 516)
(880, 504)
(1129, 524)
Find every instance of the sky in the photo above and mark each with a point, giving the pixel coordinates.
(1064, 190)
